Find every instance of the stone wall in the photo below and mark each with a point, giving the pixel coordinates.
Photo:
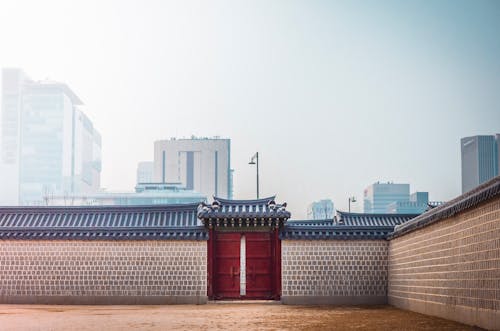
(334, 271)
(451, 268)
(103, 272)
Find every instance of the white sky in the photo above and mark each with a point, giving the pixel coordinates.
(333, 95)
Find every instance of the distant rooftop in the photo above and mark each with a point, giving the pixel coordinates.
(193, 137)
(166, 194)
(47, 84)
(156, 187)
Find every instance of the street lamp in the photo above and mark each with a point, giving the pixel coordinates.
(351, 199)
(255, 160)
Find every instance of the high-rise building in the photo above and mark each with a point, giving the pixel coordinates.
(200, 164)
(480, 160)
(418, 203)
(12, 86)
(497, 140)
(320, 210)
(86, 176)
(145, 172)
(378, 196)
(49, 146)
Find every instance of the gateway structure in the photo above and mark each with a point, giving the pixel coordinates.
(244, 248)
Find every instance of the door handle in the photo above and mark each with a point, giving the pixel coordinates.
(233, 273)
(251, 273)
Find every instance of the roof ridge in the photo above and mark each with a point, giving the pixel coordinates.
(250, 201)
(101, 208)
(345, 213)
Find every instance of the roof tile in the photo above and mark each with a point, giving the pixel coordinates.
(97, 222)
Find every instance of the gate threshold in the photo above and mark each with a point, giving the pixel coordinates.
(260, 302)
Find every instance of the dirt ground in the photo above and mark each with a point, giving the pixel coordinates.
(227, 316)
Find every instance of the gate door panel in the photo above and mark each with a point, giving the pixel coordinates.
(227, 268)
(258, 265)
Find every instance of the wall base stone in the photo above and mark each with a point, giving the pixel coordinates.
(484, 318)
(105, 300)
(334, 300)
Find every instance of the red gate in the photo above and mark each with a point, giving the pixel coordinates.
(259, 271)
(243, 227)
(262, 260)
(227, 268)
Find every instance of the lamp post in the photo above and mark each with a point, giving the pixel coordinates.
(351, 199)
(255, 160)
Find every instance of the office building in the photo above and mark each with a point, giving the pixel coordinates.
(86, 174)
(390, 198)
(12, 86)
(320, 210)
(200, 164)
(480, 160)
(417, 204)
(49, 146)
(145, 172)
(378, 196)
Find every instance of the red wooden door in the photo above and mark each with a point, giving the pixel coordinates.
(259, 265)
(227, 266)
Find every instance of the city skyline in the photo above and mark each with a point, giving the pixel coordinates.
(333, 96)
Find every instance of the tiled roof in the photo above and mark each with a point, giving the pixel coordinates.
(345, 226)
(359, 219)
(102, 222)
(338, 232)
(243, 209)
(482, 193)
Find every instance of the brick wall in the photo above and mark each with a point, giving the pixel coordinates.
(103, 272)
(451, 268)
(334, 271)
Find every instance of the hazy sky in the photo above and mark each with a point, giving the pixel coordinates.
(335, 95)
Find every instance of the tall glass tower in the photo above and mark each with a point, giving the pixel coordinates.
(480, 160)
(49, 146)
(378, 196)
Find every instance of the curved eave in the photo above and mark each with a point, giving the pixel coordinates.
(185, 233)
(337, 227)
(336, 232)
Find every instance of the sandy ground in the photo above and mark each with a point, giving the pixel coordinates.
(240, 316)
